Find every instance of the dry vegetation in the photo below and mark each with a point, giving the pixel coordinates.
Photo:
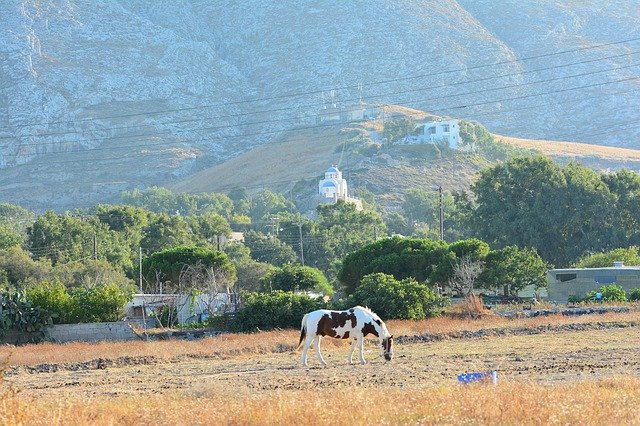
(565, 374)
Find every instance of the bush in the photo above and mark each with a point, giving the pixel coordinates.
(102, 303)
(393, 299)
(610, 293)
(634, 295)
(53, 298)
(99, 304)
(277, 309)
(296, 278)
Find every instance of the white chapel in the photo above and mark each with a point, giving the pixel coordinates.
(333, 186)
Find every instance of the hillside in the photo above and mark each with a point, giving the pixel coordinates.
(102, 96)
(294, 163)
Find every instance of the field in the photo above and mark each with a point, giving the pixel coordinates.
(551, 370)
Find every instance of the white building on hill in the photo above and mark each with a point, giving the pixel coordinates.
(434, 131)
(334, 187)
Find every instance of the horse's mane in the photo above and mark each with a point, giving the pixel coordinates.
(369, 311)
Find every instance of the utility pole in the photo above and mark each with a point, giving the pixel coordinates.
(441, 213)
(301, 244)
(95, 247)
(140, 268)
(375, 235)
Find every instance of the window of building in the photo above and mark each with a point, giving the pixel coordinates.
(445, 128)
(432, 130)
(565, 277)
(605, 279)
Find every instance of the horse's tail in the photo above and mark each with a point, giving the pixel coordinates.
(303, 331)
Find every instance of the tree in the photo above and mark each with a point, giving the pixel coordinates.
(9, 237)
(61, 238)
(398, 257)
(165, 231)
(394, 130)
(341, 229)
(624, 185)
(393, 299)
(16, 218)
(465, 275)
(210, 227)
(629, 256)
(250, 274)
(512, 269)
(296, 278)
(266, 205)
(169, 265)
(269, 249)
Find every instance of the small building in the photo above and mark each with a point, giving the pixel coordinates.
(563, 283)
(434, 131)
(334, 187)
(188, 308)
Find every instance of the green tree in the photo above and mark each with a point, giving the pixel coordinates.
(169, 265)
(394, 130)
(518, 203)
(250, 274)
(629, 256)
(17, 267)
(16, 218)
(9, 237)
(210, 227)
(624, 185)
(269, 249)
(393, 299)
(61, 238)
(398, 257)
(165, 231)
(512, 269)
(341, 229)
(266, 205)
(296, 278)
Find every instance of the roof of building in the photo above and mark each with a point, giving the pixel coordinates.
(332, 169)
(328, 184)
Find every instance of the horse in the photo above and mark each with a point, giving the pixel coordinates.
(354, 323)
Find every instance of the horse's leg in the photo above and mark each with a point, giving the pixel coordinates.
(307, 342)
(353, 347)
(322, 361)
(361, 344)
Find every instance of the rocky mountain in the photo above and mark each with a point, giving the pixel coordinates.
(97, 97)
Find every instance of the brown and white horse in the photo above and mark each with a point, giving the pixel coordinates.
(354, 323)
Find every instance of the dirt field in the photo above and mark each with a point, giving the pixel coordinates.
(540, 353)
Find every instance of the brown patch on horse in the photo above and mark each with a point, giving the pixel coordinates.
(368, 328)
(328, 324)
(346, 335)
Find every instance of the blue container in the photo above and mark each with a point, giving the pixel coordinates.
(484, 376)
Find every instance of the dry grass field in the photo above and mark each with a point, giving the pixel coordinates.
(551, 370)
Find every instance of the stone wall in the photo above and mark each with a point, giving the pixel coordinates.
(95, 332)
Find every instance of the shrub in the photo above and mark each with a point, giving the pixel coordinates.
(393, 299)
(53, 298)
(277, 309)
(610, 293)
(296, 278)
(79, 305)
(634, 295)
(99, 304)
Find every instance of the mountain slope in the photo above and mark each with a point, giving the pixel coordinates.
(145, 93)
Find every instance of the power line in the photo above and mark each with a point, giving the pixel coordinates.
(351, 86)
(333, 124)
(301, 117)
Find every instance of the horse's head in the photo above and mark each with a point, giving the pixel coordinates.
(386, 347)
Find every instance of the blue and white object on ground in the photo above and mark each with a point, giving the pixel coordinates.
(484, 376)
